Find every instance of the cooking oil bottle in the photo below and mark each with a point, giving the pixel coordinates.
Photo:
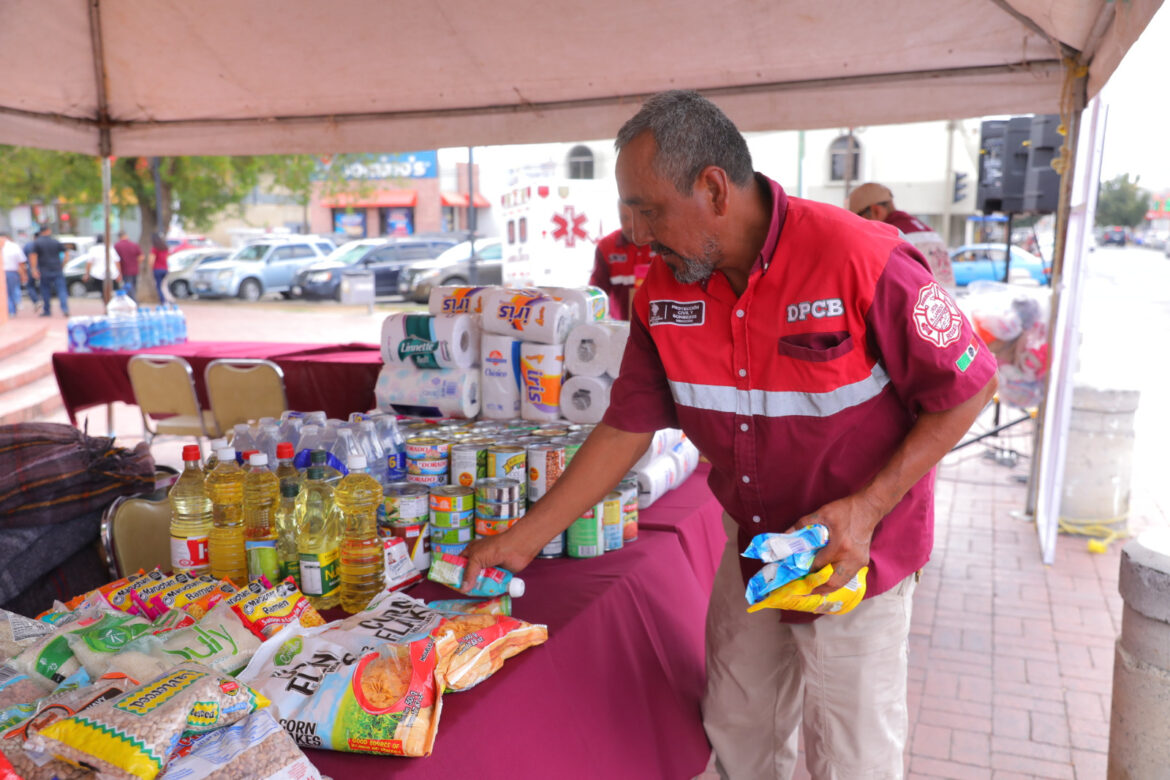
(261, 499)
(286, 531)
(357, 498)
(225, 488)
(285, 470)
(317, 536)
(190, 517)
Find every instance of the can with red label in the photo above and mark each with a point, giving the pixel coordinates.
(585, 538)
(629, 490)
(417, 538)
(428, 480)
(427, 448)
(427, 467)
(486, 527)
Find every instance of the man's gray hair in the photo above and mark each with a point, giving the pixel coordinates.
(691, 133)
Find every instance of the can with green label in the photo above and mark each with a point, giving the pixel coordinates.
(586, 536)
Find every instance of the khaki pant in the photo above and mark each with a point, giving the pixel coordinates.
(843, 676)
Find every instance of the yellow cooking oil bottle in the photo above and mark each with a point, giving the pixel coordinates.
(261, 501)
(317, 536)
(225, 488)
(190, 517)
(357, 498)
(286, 513)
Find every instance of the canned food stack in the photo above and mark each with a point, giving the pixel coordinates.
(408, 516)
(427, 460)
(452, 513)
(499, 503)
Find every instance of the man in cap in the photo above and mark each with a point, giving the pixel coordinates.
(875, 201)
(814, 360)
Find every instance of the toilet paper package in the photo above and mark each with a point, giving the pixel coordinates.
(542, 369)
(664, 439)
(457, 300)
(589, 347)
(584, 399)
(430, 341)
(591, 303)
(618, 336)
(526, 315)
(686, 456)
(655, 478)
(500, 389)
(442, 392)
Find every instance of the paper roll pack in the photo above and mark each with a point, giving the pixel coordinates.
(591, 303)
(589, 347)
(542, 370)
(456, 300)
(655, 478)
(525, 315)
(500, 364)
(618, 336)
(686, 455)
(664, 439)
(429, 341)
(584, 399)
(443, 392)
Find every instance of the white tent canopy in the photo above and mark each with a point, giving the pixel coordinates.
(174, 77)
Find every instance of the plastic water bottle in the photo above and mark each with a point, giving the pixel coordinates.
(317, 537)
(357, 498)
(165, 331)
(225, 488)
(261, 501)
(375, 455)
(394, 445)
(123, 314)
(316, 418)
(145, 332)
(180, 324)
(290, 427)
(310, 440)
(242, 440)
(78, 330)
(98, 334)
(343, 449)
(190, 517)
(267, 440)
(329, 433)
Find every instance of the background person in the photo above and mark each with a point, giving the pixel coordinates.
(95, 263)
(14, 271)
(128, 255)
(159, 253)
(837, 418)
(46, 260)
(30, 284)
(615, 264)
(875, 201)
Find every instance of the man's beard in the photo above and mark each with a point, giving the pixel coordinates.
(694, 269)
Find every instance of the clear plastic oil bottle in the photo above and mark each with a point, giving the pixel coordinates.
(225, 488)
(357, 498)
(261, 500)
(317, 537)
(190, 517)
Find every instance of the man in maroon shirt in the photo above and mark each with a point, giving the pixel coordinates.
(813, 359)
(615, 265)
(875, 201)
(129, 254)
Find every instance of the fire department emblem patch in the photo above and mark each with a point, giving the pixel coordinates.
(936, 316)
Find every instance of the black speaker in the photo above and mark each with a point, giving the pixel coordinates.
(1041, 182)
(1015, 163)
(989, 190)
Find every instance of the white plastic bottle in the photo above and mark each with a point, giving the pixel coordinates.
(343, 449)
(268, 439)
(291, 424)
(375, 455)
(242, 440)
(394, 445)
(123, 314)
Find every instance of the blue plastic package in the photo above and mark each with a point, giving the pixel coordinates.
(778, 574)
(771, 548)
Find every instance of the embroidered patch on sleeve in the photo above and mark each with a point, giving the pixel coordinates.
(968, 356)
(936, 317)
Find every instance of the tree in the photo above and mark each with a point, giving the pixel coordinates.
(1121, 202)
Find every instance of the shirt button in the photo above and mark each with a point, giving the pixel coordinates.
(743, 426)
(746, 478)
(739, 313)
(755, 518)
(743, 372)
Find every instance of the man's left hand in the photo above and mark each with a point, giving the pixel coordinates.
(850, 521)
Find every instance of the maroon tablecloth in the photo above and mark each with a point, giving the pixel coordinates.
(688, 512)
(615, 691)
(336, 378)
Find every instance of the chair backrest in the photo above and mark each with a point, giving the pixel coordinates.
(243, 390)
(163, 385)
(136, 533)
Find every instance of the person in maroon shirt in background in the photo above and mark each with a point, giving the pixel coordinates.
(815, 362)
(615, 264)
(159, 254)
(875, 201)
(128, 255)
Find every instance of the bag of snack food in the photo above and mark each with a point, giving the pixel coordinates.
(104, 591)
(275, 608)
(144, 591)
(473, 647)
(199, 604)
(168, 598)
(256, 748)
(133, 734)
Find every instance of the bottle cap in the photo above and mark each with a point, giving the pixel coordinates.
(191, 452)
(516, 588)
(225, 454)
(247, 454)
(284, 450)
(217, 444)
(318, 457)
(258, 459)
(356, 462)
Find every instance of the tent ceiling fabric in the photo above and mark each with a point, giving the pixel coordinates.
(272, 76)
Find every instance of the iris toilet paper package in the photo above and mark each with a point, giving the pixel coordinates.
(542, 370)
(500, 389)
(456, 300)
(525, 315)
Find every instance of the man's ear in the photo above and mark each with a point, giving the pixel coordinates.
(714, 185)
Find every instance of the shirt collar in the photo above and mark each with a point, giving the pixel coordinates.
(779, 203)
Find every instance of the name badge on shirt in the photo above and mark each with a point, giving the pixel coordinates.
(684, 313)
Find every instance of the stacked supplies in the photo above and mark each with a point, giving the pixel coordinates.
(431, 364)
(593, 356)
(669, 461)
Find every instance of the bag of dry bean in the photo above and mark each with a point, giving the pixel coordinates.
(256, 748)
(134, 734)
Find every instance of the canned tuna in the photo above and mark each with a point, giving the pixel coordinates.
(498, 489)
(452, 498)
(498, 510)
(429, 480)
(452, 519)
(444, 536)
(427, 467)
(427, 448)
(404, 502)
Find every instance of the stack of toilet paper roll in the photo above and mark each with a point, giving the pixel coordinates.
(593, 356)
(431, 365)
(665, 471)
(430, 341)
(590, 303)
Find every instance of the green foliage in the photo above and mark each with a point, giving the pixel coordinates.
(1121, 202)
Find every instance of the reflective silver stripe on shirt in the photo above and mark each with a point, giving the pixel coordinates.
(626, 280)
(780, 403)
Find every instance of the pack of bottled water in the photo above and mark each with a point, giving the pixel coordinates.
(127, 326)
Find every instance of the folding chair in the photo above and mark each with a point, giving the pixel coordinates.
(164, 389)
(136, 534)
(244, 390)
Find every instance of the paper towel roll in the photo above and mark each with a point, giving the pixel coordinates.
(542, 370)
(655, 478)
(587, 349)
(441, 392)
(618, 336)
(456, 300)
(445, 341)
(500, 361)
(663, 440)
(584, 399)
(686, 455)
(527, 316)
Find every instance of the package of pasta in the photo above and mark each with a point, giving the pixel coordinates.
(275, 608)
(500, 605)
(18, 632)
(133, 735)
(199, 602)
(256, 748)
(347, 690)
(797, 595)
(473, 647)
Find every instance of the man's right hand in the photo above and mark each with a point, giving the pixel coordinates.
(512, 550)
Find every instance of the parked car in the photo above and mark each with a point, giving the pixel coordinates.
(986, 261)
(453, 267)
(1114, 236)
(180, 278)
(259, 268)
(384, 256)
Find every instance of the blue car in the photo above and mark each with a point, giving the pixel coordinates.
(972, 262)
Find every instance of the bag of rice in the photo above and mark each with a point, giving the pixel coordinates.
(219, 641)
(170, 620)
(275, 608)
(133, 734)
(256, 748)
(95, 644)
(50, 656)
(18, 632)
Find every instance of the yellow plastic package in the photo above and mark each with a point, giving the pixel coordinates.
(795, 595)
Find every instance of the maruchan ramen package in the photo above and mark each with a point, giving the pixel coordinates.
(199, 603)
(796, 594)
(256, 748)
(275, 608)
(106, 592)
(473, 647)
(133, 735)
